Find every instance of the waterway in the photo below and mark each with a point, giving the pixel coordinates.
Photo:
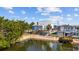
(35, 45)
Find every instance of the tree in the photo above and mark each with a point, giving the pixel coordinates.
(49, 27)
(11, 30)
(31, 24)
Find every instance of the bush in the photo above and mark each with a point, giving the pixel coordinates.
(65, 39)
(4, 44)
(10, 30)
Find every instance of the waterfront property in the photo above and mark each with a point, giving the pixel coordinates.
(67, 30)
(41, 25)
(37, 27)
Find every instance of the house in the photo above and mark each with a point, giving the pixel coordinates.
(37, 27)
(40, 26)
(67, 30)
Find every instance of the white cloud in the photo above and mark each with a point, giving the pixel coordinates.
(26, 18)
(62, 22)
(40, 9)
(69, 18)
(8, 8)
(45, 22)
(33, 17)
(23, 12)
(44, 14)
(55, 18)
(55, 9)
(76, 15)
(76, 9)
(52, 20)
(68, 15)
(10, 11)
(41, 19)
(16, 17)
(48, 10)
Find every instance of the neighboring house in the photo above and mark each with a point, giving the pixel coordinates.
(67, 30)
(43, 27)
(40, 26)
(37, 27)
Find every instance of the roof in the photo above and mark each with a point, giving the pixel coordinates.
(70, 26)
(37, 25)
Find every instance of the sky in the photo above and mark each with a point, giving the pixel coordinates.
(53, 15)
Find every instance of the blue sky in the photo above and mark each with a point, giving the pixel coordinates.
(55, 15)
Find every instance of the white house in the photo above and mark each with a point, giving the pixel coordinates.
(45, 23)
(41, 25)
(67, 30)
(37, 27)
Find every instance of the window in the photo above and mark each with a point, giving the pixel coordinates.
(71, 28)
(74, 34)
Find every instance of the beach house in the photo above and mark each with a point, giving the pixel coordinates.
(67, 30)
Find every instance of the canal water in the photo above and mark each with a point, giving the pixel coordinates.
(34, 45)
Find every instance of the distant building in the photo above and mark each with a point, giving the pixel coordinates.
(45, 23)
(37, 27)
(67, 30)
(41, 26)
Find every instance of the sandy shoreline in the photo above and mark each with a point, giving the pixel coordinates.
(26, 37)
(75, 41)
(37, 37)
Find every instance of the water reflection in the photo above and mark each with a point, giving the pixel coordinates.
(66, 47)
(38, 46)
(35, 45)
